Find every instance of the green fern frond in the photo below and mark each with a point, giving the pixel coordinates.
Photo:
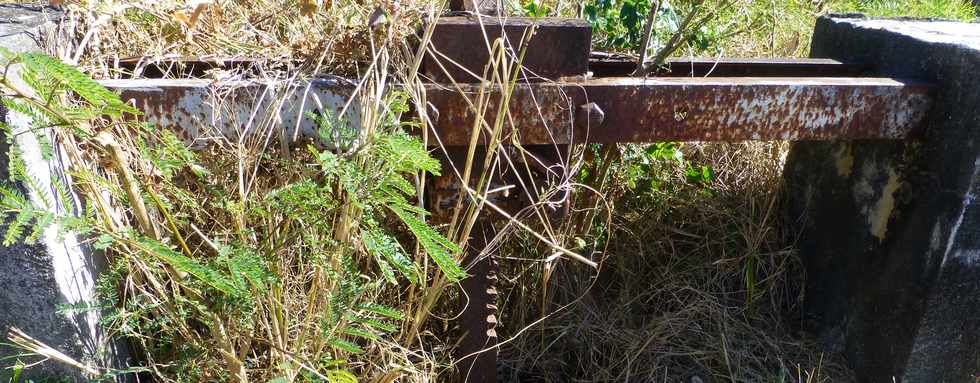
(181, 263)
(386, 271)
(346, 346)
(24, 108)
(382, 310)
(15, 229)
(399, 183)
(65, 200)
(360, 333)
(103, 242)
(43, 194)
(80, 113)
(79, 307)
(247, 266)
(378, 325)
(43, 221)
(405, 153)
(13, 200)
(78, 82)
(383, 245)
(44, 142)
(15, 165)
(438, 247)
(341, 376)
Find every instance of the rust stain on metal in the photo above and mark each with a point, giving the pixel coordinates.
(478, 357)
(603, 110)
(632, 110)
(619, 65)
(699, 109)
(559, 47)
(203, 110)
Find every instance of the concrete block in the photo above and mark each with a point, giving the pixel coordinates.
(890, 230)
(39, 283)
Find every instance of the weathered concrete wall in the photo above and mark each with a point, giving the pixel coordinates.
(891, 230)
(38, 281)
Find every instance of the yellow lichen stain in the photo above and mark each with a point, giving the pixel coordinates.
(845, 161)
(882, 211)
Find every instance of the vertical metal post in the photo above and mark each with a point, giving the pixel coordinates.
(478, 363)
(477, 351)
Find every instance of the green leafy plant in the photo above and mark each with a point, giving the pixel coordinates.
(535, 8)
(213, 283)
(620, 24)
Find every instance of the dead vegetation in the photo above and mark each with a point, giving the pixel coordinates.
(697, 278)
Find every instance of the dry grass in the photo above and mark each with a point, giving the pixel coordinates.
(691, 283)
(333, 36)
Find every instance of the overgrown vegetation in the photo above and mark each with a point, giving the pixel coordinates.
(315, 261)
(228, 275)
(700, 281)
(738, 28)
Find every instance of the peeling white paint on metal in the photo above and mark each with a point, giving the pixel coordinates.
(203, 110)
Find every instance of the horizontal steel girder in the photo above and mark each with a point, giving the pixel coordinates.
(619, 65)
(600, 110)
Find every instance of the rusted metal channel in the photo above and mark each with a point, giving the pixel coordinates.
(478, 357)
(599, 64)
(461, 47)
(616, 65)
(700, 109)
(192, 66)
(599, 111)
(199, 110)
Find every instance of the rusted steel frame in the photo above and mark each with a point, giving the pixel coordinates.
(600, 64)
(194, 66)
(477, 350)
(615, 65)
(519, 185)
(201, 110)
(630, 110)
(697, 109)
(460, 48)
(602, 110)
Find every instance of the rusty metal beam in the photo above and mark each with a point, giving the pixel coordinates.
(461, 47)
(200, 110)
(698, 109)
(617, 65)
(600, 64)
(601, 110)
